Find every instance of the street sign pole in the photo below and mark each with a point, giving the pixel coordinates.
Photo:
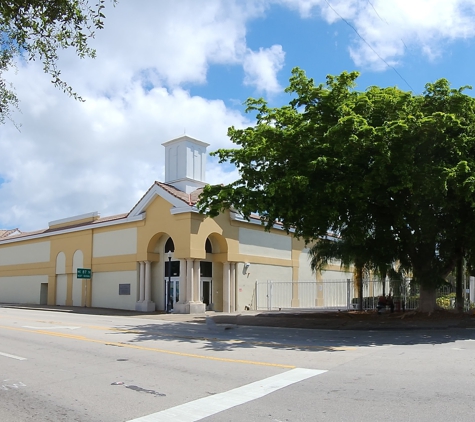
(84, 273)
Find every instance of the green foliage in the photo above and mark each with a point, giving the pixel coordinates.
(38, 30)
(447, 301)
(389, 171)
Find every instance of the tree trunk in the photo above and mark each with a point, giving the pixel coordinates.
(383, 274)
(359, 284)
(427, 300)
(459, 285)
(426, 277)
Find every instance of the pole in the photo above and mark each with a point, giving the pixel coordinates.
(169, 280)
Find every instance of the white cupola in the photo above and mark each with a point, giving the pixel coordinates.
(185, 163)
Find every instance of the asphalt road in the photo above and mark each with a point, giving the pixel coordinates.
(73, 367)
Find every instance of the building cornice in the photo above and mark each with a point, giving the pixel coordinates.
(74, 229)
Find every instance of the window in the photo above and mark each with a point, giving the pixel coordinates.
(169, 246)
(175, 269)
(206, 269)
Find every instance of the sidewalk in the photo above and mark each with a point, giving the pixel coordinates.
(333, 320)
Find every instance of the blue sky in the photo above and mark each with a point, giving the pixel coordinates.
(163, 68)
(321, 49)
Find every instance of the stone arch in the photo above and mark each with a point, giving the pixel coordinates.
(61, 263)
(218, 242)
(212, 270)
(157, 245)
(154, 243)
(61, 280)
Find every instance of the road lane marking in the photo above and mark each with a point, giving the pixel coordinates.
(149, 349)
(211, 405)
(62, 327)
(12, 356)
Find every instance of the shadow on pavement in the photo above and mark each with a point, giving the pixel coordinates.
(306, 331)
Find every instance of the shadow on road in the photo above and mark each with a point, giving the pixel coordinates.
(307, 331)
(228, 338)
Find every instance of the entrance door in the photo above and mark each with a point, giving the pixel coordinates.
(44, 294)
(172, 292)
(207, 293)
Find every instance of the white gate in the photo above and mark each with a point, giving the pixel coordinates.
(331, 294)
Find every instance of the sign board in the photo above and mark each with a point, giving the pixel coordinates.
(83, 273)
(124, 289)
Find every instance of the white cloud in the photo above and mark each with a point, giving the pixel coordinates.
(261, 68)
(304, 7)
(72, 158)
(99, 155)
(388, 27)
(177, 41)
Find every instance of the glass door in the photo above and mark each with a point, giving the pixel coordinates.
(172, 292)
(207, 293)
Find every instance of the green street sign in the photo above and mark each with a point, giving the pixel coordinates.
(83, 273)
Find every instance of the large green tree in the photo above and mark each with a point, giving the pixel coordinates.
(381, 164)
(38, 30)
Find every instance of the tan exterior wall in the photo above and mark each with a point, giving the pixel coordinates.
(105, 290)
(113, 254)
(305, 272)
(61, 289)
(336, 275)
(25, 254)
(260, 243)
(22, 289)
(158, 287)
(246, 283)
(113, 243)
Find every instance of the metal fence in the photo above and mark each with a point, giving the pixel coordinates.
(338, 294)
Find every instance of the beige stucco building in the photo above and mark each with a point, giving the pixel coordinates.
(162, 248)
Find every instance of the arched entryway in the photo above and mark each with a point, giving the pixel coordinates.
(171, 277)
(206, 278)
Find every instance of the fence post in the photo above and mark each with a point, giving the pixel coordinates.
(269, 292)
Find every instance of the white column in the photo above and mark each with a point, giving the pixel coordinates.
(145, 304)
(197, 281)
(148, 282)
(183, 282)
(189, 280)
(226, 288)
(233, 288)
(141, 281)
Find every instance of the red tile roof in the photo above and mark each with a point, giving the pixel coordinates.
(189, 198)
(8, 232)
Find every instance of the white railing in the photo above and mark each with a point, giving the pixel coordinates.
(332, 294)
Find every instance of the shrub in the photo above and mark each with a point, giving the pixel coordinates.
(447, 301)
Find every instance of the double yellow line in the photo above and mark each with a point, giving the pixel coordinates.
(149, 349)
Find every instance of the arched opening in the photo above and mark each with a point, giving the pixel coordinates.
(61, 280)
(169, 245)
(206, 276)
(172, 276)
(212, 271)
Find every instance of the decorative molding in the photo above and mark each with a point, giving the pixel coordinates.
(75, 229)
